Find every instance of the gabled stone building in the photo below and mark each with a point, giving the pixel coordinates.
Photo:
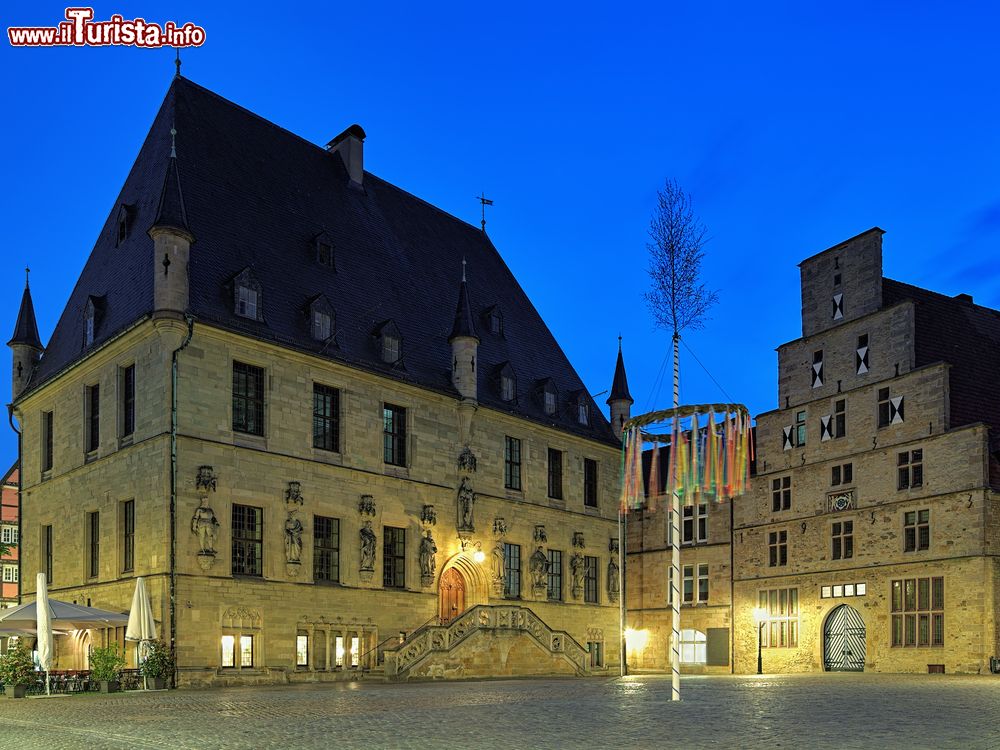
(263, 397)
(871, 534)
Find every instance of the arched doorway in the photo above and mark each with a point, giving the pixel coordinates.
(844, 641)
(452, 598)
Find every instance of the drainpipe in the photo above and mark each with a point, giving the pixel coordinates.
(173, 494)
(20, 484)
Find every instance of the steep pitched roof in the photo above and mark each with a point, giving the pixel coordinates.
(257, 195)
(26, 328)
(963, 334)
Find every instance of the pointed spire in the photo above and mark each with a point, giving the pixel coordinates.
(26, 329)
(170, 213)
(464, 324)
(619, 386)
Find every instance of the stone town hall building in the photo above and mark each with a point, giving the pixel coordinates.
(262, 397)
(871, 533)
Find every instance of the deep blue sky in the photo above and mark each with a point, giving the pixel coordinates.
(792, 128)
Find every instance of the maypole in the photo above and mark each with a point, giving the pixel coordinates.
(710, 462)
(675, 554)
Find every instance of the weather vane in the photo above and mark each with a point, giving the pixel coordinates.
(485, 202)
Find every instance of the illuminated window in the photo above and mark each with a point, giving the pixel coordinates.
(302, 649)
(339, 651)
(228, 651)
(693, 645)
(781, 626)
(355, 647)
(246, 650)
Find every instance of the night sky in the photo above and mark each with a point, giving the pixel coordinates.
(792, 128)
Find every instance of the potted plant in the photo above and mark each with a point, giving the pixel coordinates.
(158, 664)
(106, 663)
(17, 669)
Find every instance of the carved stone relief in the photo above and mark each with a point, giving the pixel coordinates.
(578, 539)
(366, 505)
(428, 516)
(467, 460)
(540, 535)
(205, 480)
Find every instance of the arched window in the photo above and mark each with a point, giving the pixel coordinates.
(692, 647)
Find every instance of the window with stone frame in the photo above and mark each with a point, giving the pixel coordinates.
(780, 628)
(910, 469)
(890, 408)
(917, 606)
(128, 535)
(394, 434)
(694, 524)
(841, 474)
(326, 418)
(555, 576)
(777, 548)
(8, 534)
(326, 549)
(781, 494)
(248, 541)
(48, 425)
(839, 418)
(687, 590)
(843, 540)
(89, 322)
(302, 649)
(93, 416)
(590, 579)
(393, 558)
(47, 550)
(590, 483)
(596, 651)
(861, 355)
(512, 463)
(817, 369)
(702, 583)
(93, 544)
(916, 530)
(555, 474)
(126, 401)
(511, 571)
(248, 398)
(237, 651)
(800, 428)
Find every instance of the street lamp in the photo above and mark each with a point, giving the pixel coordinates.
(760, 617)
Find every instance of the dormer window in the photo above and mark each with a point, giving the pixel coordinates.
(324, 250)
(89, 323)
(390, 343)
(247, 296)
(549, 396)
(494, 318)
(506, 382)
(583, 413)
(321, 318)
(124, 223)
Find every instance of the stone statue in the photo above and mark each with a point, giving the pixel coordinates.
(538, 565)
(205, 525)
(466, 505)
(293, 538)
(367, 547)
(497, 562)
(614, 582)
(428, 551)
(577, 566)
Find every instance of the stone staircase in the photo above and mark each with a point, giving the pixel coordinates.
(487, 641)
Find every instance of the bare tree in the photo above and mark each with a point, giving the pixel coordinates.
(678, 299)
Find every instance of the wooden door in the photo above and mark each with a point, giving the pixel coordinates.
(452, 595)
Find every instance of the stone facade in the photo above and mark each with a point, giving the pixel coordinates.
(256, 471)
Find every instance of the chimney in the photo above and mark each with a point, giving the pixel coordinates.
(964, 298)
(351, 146)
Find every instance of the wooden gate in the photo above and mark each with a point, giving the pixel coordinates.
(844, 641)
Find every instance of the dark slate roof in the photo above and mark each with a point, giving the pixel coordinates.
(26, 328)
(619, 386)
(464, 325)
(256, 196)
(170, 212)
(963, 334)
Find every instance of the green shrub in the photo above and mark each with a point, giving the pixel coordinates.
(106, 663)
(159, 661)
(17, 667)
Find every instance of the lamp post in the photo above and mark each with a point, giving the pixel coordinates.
(760, 617)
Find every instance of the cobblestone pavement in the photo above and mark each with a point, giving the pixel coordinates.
(808, 711)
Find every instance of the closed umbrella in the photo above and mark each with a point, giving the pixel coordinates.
(43, 625)
(141, 625)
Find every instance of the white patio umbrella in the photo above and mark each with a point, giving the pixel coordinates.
(141, 625)
(43, 624)
(62, 615)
